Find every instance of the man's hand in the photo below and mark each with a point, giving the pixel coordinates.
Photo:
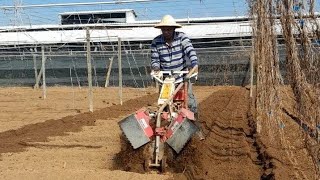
(193, 70)
(155, 72)
(192, 75)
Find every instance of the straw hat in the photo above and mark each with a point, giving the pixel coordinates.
(167, 21)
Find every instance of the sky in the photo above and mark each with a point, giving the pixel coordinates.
(145, 11)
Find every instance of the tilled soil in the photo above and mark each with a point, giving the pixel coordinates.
(229, 149)
(90, 145)
(232, 149)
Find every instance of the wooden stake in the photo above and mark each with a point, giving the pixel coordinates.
(90, 94)
(44, 86)
(120, 69)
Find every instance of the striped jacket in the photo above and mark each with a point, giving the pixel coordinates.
(177, 57)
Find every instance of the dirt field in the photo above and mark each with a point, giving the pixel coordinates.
(57, 138)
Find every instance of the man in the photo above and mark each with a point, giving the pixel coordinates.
(173, 51)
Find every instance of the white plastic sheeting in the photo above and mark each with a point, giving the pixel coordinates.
(111, 33)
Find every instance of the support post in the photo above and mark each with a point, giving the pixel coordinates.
(36, 85)
(120, 69)
(251, 69)
(44, 86)
(109, 72)
(90, 94)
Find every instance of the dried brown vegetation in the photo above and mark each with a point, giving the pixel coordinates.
(299, 28)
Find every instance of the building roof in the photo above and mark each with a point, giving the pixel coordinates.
(98, 12)
(143, 23)
(195, 28)
(107, 34)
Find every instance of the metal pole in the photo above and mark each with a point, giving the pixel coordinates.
(90, 94)
(44, 86)
(38, 78)
(109, 72)
(251, 69)
(120, 69)
(36, 86)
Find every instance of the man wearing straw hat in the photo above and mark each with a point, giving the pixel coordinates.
(172, 51)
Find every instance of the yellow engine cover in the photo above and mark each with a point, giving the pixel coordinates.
(167, 90)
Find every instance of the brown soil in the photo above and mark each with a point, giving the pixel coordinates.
(57, 139)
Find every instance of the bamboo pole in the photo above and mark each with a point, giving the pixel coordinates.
(120, 69)
(44, 86)
(109, 72)
(90, 94)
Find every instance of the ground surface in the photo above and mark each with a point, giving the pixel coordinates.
(57, 138)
